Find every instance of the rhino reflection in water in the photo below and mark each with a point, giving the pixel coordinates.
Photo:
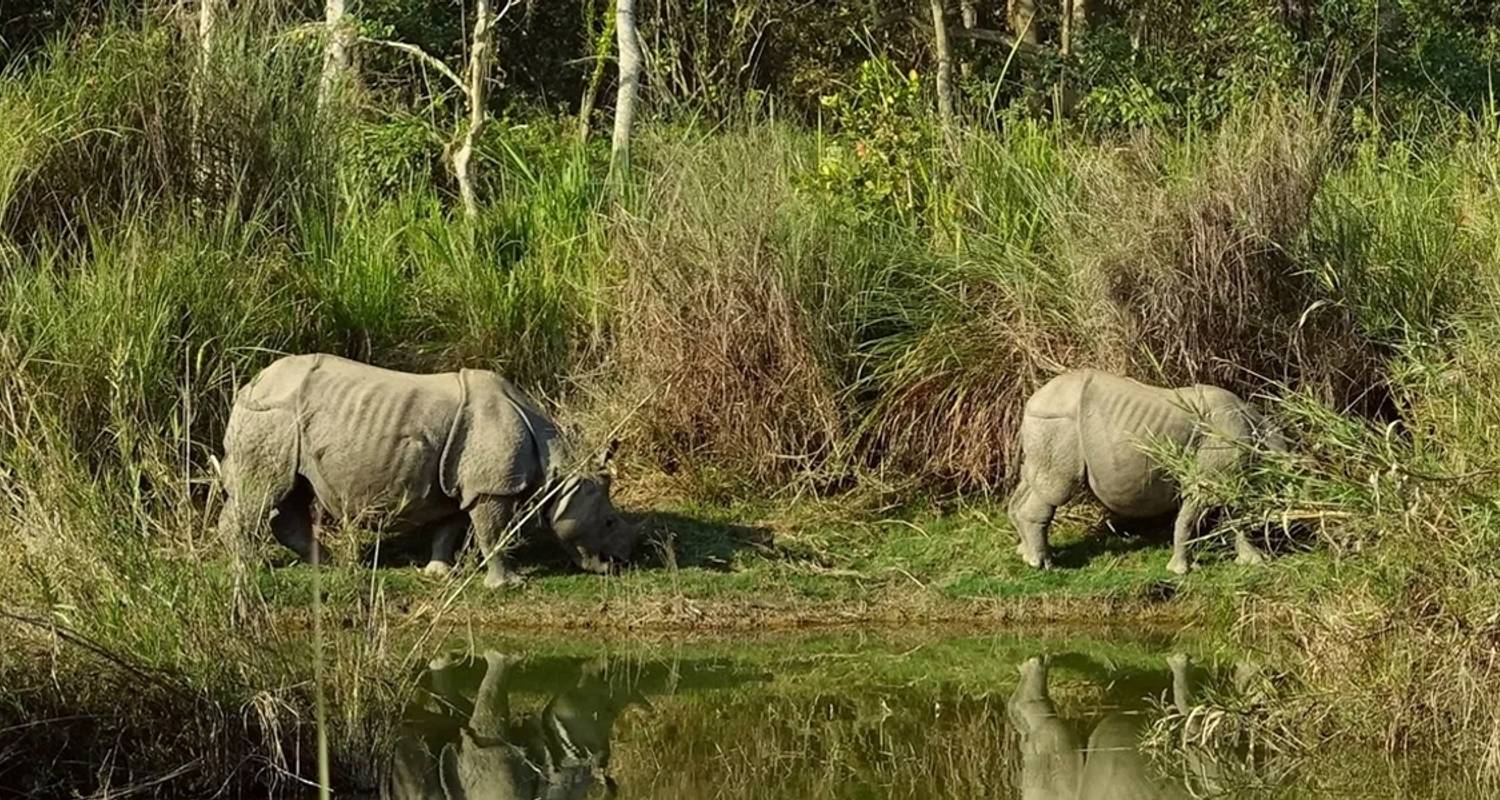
(559, 753)
(1056, 764)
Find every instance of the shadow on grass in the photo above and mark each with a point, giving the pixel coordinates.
(696, 543)
(1114, 537)
(693, 542)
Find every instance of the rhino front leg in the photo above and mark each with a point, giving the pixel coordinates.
(490, 519)
(1183, 531)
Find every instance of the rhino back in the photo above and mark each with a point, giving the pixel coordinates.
(1117, 418)
(372, 438)
(279, 384)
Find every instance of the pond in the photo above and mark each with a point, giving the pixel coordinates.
(1091, 715)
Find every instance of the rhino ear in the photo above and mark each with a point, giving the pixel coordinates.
(607, 456)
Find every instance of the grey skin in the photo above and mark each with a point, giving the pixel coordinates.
(560, 753)
(1056, 765)
(1086, 430)
(446, 453)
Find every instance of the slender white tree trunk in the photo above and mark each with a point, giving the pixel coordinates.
(475, 77)
(208, 23)
(335, 51)
(630, 84)
(970, 12)
(1021, 14)
(945, 63)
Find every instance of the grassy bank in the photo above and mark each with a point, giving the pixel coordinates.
(824, 334)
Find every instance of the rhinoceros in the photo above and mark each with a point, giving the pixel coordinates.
(1086, 430)
(439, 452)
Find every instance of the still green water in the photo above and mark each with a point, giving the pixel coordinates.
(1095, 716)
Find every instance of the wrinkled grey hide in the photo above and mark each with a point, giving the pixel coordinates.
(1056, 765)
(443, 452)
(560, 753)
(1087, 430)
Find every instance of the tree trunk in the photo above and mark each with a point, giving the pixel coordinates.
(1073, 15)
(945, 63)
(203, 173)
(596, 77)
(630, 84)
(1065, 43)
(335, 51)
(475, 78)
(1021, 15)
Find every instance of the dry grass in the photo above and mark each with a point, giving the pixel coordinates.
(712, 326)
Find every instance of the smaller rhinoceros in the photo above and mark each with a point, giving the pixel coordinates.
(444, 452)
(1087, 429)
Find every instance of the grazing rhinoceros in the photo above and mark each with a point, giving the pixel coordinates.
(1086, 430)
(443, 452)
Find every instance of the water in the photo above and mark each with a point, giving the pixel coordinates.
(858, 716)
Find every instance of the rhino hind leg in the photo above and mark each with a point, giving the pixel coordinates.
(1052, 473)
(291, 524)
(447, 539)
(1032, 516)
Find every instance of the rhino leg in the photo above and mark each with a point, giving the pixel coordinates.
(1032, 515)
(490, 519)
(1246, 551)
(1182, 690)
(1052, 473)
(446, 539)
(1183, 531)
(291, 524)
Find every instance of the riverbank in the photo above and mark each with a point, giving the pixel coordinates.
(771, 566)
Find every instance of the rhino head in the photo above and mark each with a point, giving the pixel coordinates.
(585, 521)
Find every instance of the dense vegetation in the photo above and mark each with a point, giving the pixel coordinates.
(805, 286)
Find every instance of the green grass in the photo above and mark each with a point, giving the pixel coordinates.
(782, 565)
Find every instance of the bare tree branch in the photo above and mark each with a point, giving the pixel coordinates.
(985, 35)
(423, 56)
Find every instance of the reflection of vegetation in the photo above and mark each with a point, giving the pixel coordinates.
(895, 716)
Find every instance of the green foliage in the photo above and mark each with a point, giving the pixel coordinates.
(1174, 62)
(878, 153)
(395, 153)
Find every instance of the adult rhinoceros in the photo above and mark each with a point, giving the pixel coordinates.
(1086, 429)
(443, 452)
